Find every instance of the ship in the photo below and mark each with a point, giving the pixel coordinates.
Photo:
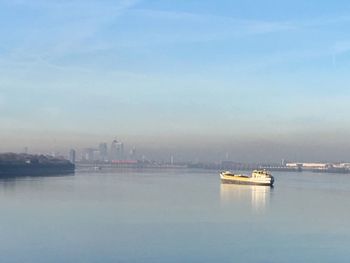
(258, 177)
(16, 165)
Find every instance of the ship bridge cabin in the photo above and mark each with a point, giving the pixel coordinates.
(260, 174)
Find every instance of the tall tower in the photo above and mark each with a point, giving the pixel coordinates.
(117, 151)
(113, 151)
(103, 150)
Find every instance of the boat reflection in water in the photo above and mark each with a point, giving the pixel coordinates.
(257, 197)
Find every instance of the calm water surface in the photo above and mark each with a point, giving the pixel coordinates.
(174, 216)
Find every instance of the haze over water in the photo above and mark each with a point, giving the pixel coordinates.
(174, 216)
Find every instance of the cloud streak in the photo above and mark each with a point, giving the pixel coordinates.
(62, 27)
(166, 27)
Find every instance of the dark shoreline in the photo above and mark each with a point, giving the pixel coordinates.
(17, 165)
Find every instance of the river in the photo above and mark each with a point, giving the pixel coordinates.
(174, 216)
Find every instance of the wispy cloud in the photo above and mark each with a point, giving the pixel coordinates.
(170, 27)
(83, 28)
(252, 26)
(164, 27)
(322, 21)
(60, 27)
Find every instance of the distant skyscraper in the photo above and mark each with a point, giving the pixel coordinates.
(132, 153)
(117, 151)
(103, 149)
(72, 156)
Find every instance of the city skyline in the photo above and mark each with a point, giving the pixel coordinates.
(186, 152)
(262, 80)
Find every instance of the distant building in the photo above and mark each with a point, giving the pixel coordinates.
(117, 151)
(88, 155)
(96, 155)
(103, 151)
(72, 156)
(283, 162)
(309, 166)
(132, 153)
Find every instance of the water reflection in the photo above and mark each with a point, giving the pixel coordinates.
(9, 182)
(257, 196)
(12, 177)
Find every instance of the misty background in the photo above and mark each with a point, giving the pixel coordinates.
(199, 80)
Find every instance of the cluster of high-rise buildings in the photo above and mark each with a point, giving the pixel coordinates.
(113, 152)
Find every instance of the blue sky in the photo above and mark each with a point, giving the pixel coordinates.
(176, 70)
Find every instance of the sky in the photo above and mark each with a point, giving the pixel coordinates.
(260, 80)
